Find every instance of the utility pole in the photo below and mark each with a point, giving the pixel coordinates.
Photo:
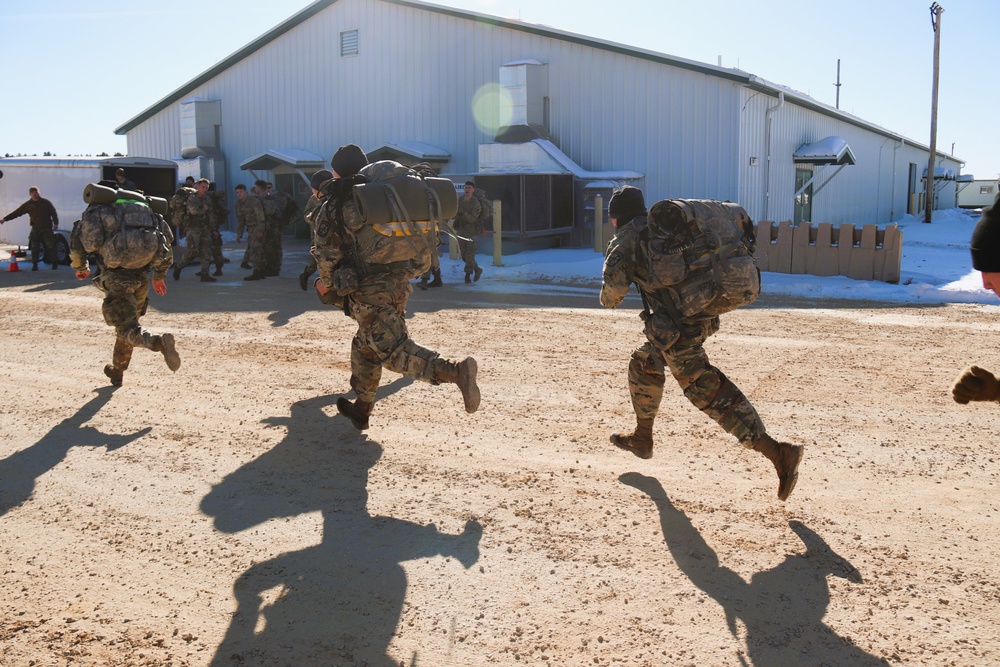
(936, 11)
(837, 85)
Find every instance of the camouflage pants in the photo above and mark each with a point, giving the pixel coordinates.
(703, 384)
(382, 341)
(468, 251)
(126, 296)
(272, 248)
(254, 255)
(199, 248)
(39, 236)
(217, 249)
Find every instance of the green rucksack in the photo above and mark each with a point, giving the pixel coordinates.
(699, 254)
(124, 228)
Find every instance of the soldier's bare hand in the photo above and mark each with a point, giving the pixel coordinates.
(160, 287)
(82, 275)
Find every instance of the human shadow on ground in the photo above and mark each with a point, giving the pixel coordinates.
(782, 608)
(339, 602)
(20, 470)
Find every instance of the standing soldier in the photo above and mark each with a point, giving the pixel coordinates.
(250, 217)
(374, 295)
(467, 226)
(199, 226)
(126, 290)
(43, 220)
(315, 184)
(272, 229)
(677, 343)
(220, 213)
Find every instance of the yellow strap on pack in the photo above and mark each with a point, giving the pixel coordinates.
(403, 228)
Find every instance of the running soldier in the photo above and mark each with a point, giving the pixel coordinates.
(126, 290)
(375, 296)
(250, 218)
(677, 343)
(315, 184)
(199, 225)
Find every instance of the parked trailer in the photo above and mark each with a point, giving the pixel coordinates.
(977, 192)
(61, 181)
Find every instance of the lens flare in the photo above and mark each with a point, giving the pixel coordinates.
(491, 108)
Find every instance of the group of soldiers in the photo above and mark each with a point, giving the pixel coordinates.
(198, 213)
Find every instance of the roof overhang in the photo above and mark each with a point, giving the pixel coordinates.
(410, 152)
(283, 157)
(831, 150)
(941, 174)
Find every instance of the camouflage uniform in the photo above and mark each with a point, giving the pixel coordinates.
(200, 225)
(220, 213)
(467, 226)
(250, 217)
(704, 385)
(272, 234)
(376, 301)
(126, 297)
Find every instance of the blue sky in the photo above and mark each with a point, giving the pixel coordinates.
(77, 69)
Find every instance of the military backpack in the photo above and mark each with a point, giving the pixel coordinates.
(125, 228)
(699, 256)
(399, 212)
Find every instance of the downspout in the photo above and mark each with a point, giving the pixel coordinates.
(767, 152)
(892, 197)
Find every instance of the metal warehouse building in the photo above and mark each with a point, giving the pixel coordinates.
(542, 118)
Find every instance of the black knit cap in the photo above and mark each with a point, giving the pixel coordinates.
(319, 178)
(626, 203)
(348, 160)
(985, 245)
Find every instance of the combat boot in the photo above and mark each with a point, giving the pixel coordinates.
(218, 270)
(177, 271)
(303, 280)
(244, 265)
(786, 459)
(205, 278)
(639, 442)
(358, 412)
(468, 278)
(114, 374)
(479, 273)
(165, 345)
(464, 375)
(256, 275)
(437, 278)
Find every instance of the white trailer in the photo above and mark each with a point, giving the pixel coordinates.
(62, 180)
(977, 192)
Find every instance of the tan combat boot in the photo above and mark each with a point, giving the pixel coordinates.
(170, 355)
(114, 374)
(358, 411)
(639, 442)
(786, 459)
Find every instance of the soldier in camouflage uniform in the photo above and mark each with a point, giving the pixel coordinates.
(126, 296)
(468, 228)
(315, 184)
(220, 214)
(704, 385)
(375, 297)
(199, 226)
(250, 218)
(272, 228)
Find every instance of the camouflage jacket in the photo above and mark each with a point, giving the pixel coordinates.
(249, 215)
(200, 213)
(620, 266)
(467, 218)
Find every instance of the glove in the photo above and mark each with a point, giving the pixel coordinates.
(976, 384)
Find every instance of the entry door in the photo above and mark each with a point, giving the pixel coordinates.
(803, 200)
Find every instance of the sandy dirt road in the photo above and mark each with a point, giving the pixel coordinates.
(226, 515)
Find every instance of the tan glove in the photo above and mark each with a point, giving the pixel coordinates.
(976, 384)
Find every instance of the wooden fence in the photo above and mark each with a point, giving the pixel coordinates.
(822, 249)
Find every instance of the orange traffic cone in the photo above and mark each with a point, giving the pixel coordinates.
(13, 263)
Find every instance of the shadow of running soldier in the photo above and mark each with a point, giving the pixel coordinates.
(339, 602)
(19, 471)
(782, 608)
(130, 240)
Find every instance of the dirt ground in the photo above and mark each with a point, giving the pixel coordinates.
(226, 515)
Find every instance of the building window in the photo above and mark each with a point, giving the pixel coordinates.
(349, 43)
(986, 189)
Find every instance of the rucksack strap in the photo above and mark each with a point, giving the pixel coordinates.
(666, 298)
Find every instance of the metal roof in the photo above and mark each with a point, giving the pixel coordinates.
(831, 150)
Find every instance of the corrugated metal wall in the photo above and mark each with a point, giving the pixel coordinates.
(415, 79)
(874, 190)
(418, 71)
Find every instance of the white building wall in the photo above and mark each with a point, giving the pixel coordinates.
(874, 190)
(415, 79)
